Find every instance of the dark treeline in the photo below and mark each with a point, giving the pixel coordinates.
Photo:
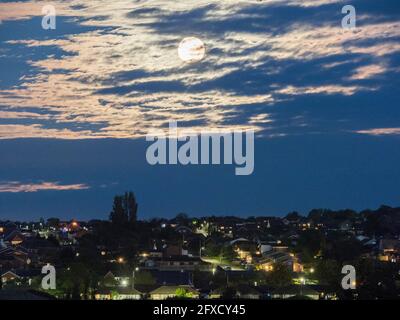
(384, 221)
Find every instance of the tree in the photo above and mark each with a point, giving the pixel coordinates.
(228, 293)
(183, 293)
(144, 278)
(130, 206)
(118, 214)
(182, 218)
(328, 272)
(376, 280)
(77, 281)
(280, 276)
(227, 253)
(293, 216)
(212, 250)
(319, 215)
(309, 244)
(124, 209)
(343, 250)
(53, 222)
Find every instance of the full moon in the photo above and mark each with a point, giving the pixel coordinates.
(191, 49)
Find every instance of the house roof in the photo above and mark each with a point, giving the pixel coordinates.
(389, 244)
(219, 291)
(172, 290)
(296, 290)
(118, 274)
(146, 288)
(121, 291)
(275, 256)
(246, 289)
(14, 234)
(34, 243)
(2, 274)
(21, 273)
(238, 240)
(128, 291)
(11, 253)
(181, 259)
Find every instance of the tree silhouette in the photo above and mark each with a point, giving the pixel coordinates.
(130, 206)
(124, 209)
(118, 214)
(280, 277)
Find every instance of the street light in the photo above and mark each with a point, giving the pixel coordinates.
(134, 277)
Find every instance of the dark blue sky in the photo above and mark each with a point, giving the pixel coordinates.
(76, 102)
(292, 173)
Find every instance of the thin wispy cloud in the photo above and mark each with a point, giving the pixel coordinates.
(380, 131)
(17, 186)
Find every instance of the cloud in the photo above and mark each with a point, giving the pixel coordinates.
(380, 131)
(327, 89)
(18, 10)
(116, 71)
(15, 131)
(367, 72)
(16, 187)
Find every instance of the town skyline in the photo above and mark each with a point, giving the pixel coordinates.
(141, 217)
(326, 255)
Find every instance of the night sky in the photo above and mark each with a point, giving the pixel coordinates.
(77, 102)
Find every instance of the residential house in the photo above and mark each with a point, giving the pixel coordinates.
(171, 292)
(389, 250)
(13, 258)
(14, 237)
(273, 257)
(19, 276)
(127, 294)
(248, 292)
(117, 279)
(9, 276)
(294, 291)
(118, 294)
(178, 263)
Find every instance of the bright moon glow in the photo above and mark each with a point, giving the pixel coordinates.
(191, 49)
